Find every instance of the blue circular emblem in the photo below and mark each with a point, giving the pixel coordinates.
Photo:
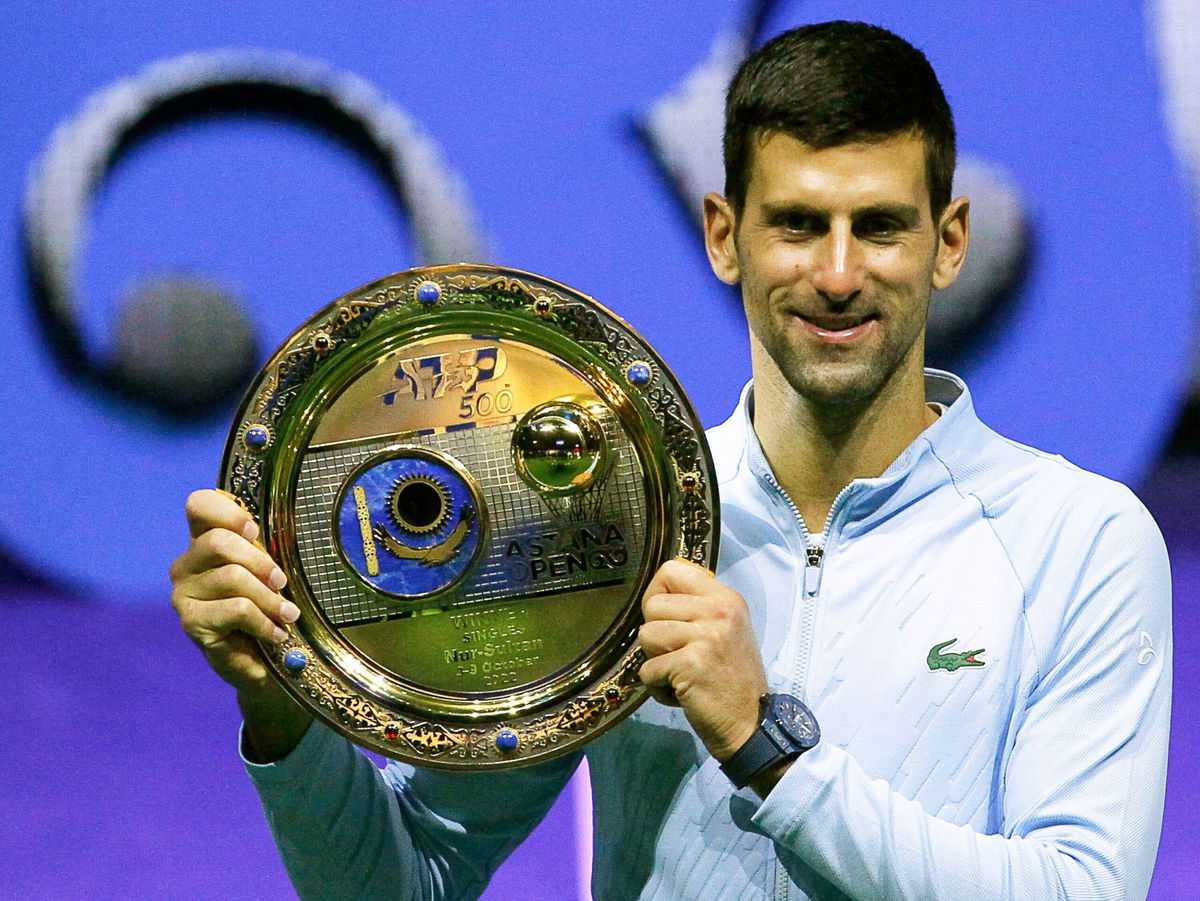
(507, 740)
(409, 523)
(295, 661)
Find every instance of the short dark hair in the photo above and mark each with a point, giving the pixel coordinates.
(838, 83)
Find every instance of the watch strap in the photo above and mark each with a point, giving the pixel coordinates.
(758, 753)
(767, 746)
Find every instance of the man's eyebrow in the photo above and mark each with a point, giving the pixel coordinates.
(792, 208)
(905, 212)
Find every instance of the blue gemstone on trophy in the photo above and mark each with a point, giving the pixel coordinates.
(428, 292)
(638, 373)
(257, 436)
(507, 740)
(295, 661)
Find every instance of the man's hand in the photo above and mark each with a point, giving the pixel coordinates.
(226, 592)
(702, 655)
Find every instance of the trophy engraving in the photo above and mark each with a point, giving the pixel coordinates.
(469, 475)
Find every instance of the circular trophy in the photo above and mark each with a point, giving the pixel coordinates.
(469, 475)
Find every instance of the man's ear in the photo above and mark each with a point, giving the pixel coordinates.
(954, 233)
(720, 222)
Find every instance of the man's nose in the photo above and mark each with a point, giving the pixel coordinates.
(838, 270)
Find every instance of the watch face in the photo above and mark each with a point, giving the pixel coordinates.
(796, 721)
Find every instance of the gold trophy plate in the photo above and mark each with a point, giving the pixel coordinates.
(469, 475)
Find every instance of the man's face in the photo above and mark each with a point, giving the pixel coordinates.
(837, 251)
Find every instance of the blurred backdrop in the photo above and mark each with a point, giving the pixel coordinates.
(183, 183)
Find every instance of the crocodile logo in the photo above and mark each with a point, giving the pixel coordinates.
(939, 658)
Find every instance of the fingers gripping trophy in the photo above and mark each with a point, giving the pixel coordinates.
(468, 476)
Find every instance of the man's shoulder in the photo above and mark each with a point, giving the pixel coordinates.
(1053, 518)
(1003, 474)
(1009, 478)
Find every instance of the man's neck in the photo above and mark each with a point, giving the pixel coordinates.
(815, 451)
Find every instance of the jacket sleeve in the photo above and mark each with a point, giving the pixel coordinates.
(348, 830)
(1082, 789)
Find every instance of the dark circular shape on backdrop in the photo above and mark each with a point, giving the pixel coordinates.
(160, 360)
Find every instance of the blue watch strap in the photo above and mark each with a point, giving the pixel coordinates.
(755, 755)
(773, 741)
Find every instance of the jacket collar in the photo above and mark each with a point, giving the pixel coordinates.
(956, 433)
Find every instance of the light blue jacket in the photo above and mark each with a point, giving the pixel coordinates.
(1036, 775)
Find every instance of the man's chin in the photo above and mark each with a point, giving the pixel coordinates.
(837, 387)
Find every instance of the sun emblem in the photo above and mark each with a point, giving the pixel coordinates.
(419, 504)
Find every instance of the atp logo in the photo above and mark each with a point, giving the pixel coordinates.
(426, 378)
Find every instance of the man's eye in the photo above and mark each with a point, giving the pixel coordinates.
(878, 227)
(802, 224)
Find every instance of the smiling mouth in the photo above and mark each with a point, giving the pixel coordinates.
(837, 328)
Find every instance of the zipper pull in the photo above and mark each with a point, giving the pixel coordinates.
(812, 572)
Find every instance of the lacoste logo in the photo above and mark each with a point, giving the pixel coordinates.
(951, 660)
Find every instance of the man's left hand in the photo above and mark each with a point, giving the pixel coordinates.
(702, 655)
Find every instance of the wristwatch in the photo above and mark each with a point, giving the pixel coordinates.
(786, 730)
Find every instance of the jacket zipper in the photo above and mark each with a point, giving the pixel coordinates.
(814, 559)
(814, 553)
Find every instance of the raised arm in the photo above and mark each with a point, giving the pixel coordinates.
(344, 828)
(226, 592)
(1082, 786)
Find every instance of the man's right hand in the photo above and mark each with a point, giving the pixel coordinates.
(226, 592)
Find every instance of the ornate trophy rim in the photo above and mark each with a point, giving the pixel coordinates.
(281, 410)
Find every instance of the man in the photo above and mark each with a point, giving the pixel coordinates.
(980, 630)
